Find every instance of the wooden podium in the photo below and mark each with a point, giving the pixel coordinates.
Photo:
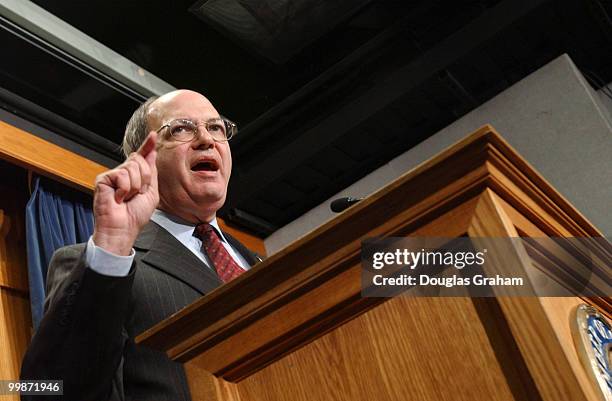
(296, 328)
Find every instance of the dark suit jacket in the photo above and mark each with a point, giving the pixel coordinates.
(86, 336)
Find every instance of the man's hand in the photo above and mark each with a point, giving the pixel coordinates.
(125, 198)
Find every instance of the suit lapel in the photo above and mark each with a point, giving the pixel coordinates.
(166, 253)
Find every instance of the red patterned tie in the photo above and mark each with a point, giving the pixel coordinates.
(227, 269)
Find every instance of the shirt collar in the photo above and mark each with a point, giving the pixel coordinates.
(179, 227)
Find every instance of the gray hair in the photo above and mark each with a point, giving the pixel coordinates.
(137, 128)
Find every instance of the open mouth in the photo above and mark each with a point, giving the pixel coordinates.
(205, 165)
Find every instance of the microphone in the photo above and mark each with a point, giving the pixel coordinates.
(340, 204)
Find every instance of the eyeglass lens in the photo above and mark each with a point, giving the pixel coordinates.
(186, 130)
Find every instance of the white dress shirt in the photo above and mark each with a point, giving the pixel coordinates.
(109, 264)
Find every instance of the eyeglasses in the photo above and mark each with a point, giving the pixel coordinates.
(185, 130)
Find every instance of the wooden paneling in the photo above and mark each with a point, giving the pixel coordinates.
(36, 154)
(560, 311)
(15, 330)
(528, 321)
(13, 187)
(15, 318)
(201, 384)
(426, 349)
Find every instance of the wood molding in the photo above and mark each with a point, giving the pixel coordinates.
(526, 228)
(36, 154)
(313, 286)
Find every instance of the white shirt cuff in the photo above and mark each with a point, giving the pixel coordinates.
(107, 263)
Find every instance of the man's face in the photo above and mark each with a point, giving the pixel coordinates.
(193, 176)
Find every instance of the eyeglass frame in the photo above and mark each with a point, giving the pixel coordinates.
(231, 129)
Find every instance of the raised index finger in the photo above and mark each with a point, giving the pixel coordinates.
(148, 145)
(147, 149)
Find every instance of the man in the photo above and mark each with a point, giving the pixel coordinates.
(155, 249)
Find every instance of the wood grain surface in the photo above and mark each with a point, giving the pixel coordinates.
(405, 349)
(289, 320)
(15, 318)
(560, 312)
(33, 153)
(530, 326)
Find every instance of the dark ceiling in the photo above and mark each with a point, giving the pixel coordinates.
(323, 92)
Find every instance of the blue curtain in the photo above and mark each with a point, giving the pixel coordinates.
(56, 216)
